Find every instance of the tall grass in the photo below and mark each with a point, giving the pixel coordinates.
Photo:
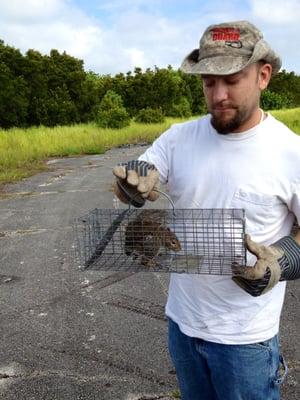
(290, 117)
(23, 151)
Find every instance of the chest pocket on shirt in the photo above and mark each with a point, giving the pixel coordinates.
(261, 209)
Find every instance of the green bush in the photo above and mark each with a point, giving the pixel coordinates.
(112, 113)
(150, 116)
(273, 101)
(182, 109)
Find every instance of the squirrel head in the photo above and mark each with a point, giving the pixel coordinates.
(171, 240)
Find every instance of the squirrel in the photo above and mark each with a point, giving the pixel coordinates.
(145, 235)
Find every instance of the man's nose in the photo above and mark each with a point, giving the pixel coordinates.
(220, 92)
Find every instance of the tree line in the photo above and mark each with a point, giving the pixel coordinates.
(54, 89)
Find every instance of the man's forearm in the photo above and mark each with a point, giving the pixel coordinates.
(290, 262)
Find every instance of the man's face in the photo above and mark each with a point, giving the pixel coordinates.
(233, 99)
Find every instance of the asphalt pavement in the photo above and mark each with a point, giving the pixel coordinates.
(69, 334)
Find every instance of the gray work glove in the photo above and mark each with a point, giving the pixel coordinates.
(278, 262)
(136, 182)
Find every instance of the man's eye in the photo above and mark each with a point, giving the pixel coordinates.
(208, 83)
(232, 82)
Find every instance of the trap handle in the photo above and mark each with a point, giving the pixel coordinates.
(135, 199)
(155, 190)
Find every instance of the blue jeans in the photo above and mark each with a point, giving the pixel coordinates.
(213, 371)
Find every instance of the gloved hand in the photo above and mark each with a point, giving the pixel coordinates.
(280, 261)
(136, 182)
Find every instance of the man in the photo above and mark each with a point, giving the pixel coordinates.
(222, 330)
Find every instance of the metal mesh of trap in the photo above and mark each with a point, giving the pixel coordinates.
(204, 241)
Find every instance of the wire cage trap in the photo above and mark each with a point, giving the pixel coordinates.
(203, 241)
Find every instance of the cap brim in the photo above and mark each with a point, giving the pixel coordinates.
(219, 65)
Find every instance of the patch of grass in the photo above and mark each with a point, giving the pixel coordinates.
(23, 151)
(290, 117)
(13, 174)
(175, 394)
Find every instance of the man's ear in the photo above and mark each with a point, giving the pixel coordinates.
(264, 75)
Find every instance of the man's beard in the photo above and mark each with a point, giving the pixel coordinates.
(229, 126)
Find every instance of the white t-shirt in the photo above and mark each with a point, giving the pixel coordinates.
(258, 170)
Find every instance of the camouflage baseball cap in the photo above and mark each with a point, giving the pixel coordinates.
(228, 48)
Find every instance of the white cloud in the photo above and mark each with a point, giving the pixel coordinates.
(134, 39)
(118, 5)
(136, 57)
(49, 24)
(78, 41)
(139, 32)
(30, 10)
(278, 13)
(279, 22)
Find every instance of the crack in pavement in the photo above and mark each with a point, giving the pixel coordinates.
(63, 374)
(118, 364)
(4, 279)
(139, 306)
(100, 283)
(5, 376)
(32, 231)
(15, 195)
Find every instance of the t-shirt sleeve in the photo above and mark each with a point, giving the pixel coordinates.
(158, 154)
(295, 200)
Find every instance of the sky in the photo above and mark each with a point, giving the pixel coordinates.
(113, 36)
